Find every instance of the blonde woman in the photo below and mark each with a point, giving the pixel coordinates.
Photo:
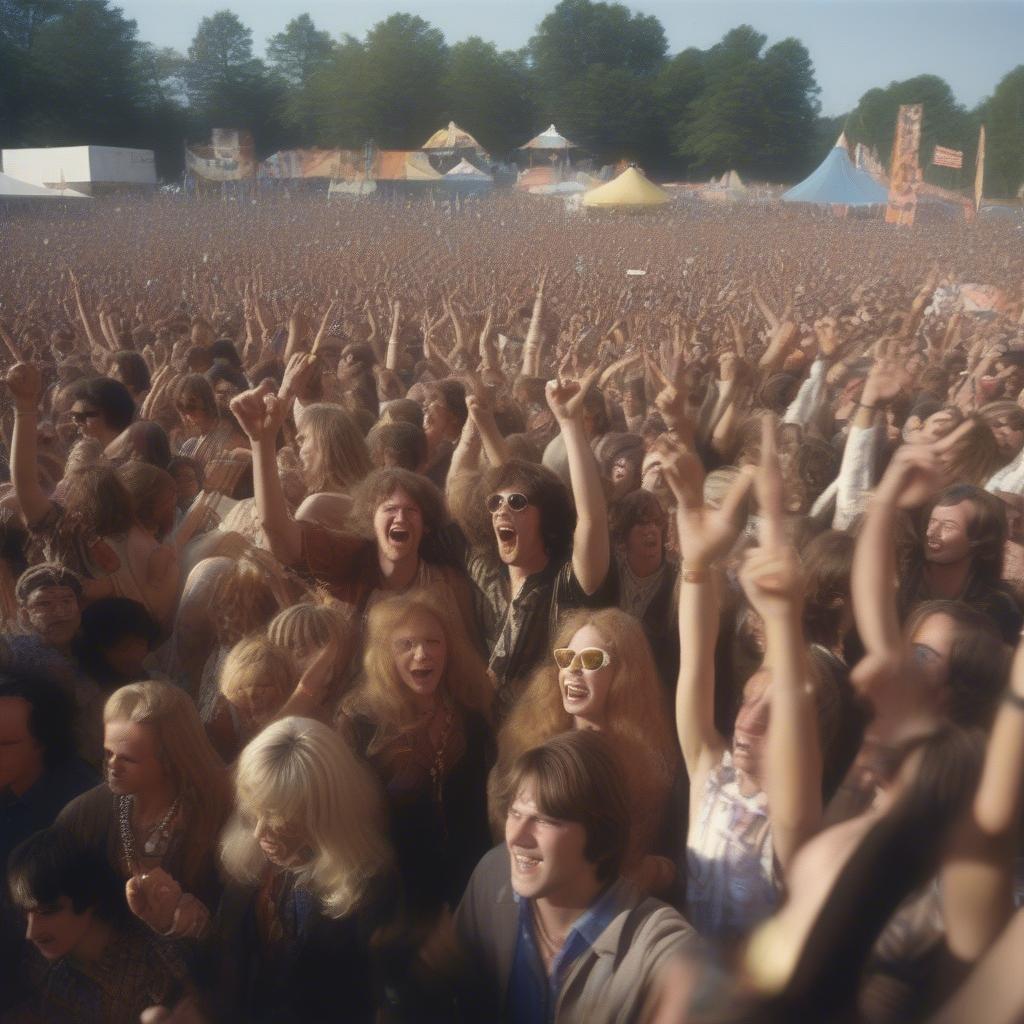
(305, 630)
(421, 716)
(307, 927)
(256, 679)
(602, 676)
(163, 804)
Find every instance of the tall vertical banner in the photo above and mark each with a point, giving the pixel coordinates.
(979, 173)
(906, 172)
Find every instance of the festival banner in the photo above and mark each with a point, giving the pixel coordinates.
(229, 157)
(943, 157)
(906, 172)
(979, 174)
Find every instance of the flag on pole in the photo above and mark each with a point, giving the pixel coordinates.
(943, 157)
(979, 174)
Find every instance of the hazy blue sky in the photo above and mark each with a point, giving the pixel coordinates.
(854, 45)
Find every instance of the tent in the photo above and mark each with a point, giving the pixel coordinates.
(550, 140)
(452, 139)
(729, 188)
(632, 189)
(837, 182)
(12, 188)
(465, 178)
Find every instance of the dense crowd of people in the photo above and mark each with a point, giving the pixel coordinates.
(494, 614)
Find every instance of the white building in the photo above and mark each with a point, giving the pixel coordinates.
(88, 169)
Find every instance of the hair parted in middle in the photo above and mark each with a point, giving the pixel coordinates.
(344, 459)
(636, 714)
(299, 772)
(381, 696)
(187, 756)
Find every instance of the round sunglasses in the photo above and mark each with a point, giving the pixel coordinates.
(516, 502)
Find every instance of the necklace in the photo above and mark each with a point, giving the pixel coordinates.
(437, 768)
(156, 842)
(549, 948)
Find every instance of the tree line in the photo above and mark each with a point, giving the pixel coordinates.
(75, 71)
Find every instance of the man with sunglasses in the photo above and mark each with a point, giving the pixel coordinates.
(102, 409)
(550, 550)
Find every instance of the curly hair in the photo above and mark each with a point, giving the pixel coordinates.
(381, 484)
(543, 488)
(636, 713)
(381, 696)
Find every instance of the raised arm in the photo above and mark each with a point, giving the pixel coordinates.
(591, 546)
(705, 535)
(773, 582)
(25, 385)
(260, 414)
(531, 347)
(977, 880)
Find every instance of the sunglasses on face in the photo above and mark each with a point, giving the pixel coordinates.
(515, 502)
(590, 659)
(84, 417)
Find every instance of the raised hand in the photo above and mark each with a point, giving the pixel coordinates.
(297, 375)
(565, 397)
(705, 534)
(916, 472)
(26, 385)
(259, 412)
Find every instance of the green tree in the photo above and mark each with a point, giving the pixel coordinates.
(85, 77)
(1003, 116)
(387, 88)
(944, 122)
(488, 93)
(226, 85)
(594, 67)
(299, 51)
(789, 112)
(336, 98)
(723, 127)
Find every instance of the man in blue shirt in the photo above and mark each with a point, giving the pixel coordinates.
(552, 931)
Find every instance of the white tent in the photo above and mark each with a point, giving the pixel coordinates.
(12, 188)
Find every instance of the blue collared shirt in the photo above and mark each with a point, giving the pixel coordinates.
(532, 996)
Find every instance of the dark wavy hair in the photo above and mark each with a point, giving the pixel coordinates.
(382, 483)
(545, 490)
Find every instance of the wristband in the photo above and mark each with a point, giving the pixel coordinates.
(694, 575)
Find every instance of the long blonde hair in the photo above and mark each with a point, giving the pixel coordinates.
(636, 712)
(187, 756)
(344, 456)
(301, 770)
(381, 696)
(255, 660)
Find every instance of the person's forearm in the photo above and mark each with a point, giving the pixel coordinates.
(872, 579)
(591, 551)
(695, 688)
(283, 533)
(792, 750)
(494, 444)
(24, 469)
(809, 399)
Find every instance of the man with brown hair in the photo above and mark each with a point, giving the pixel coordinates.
(552, 930)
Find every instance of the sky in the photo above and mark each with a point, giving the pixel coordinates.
(854, 45)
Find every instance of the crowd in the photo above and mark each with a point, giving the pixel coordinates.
(413, 614)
